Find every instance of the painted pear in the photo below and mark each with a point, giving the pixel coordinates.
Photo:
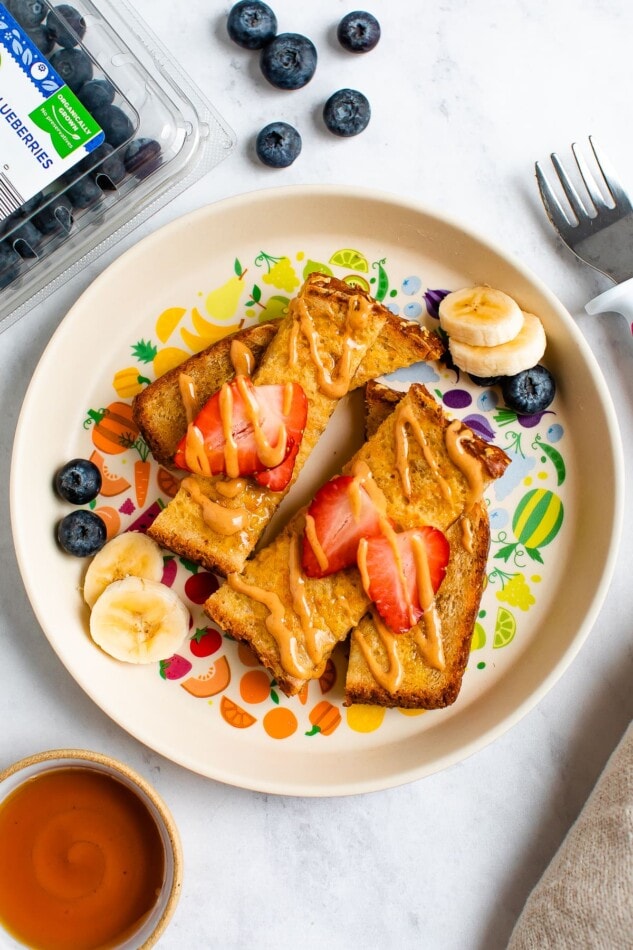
(222, 303)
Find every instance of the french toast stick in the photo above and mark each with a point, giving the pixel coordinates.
(292, 622)
(290, 356)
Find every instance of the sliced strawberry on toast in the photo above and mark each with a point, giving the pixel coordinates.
(394, 587)
(252, 416)
(342, 513)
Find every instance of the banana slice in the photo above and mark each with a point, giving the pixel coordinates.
(139, 621)
(480, 316)
(507, 359)
(131, 553)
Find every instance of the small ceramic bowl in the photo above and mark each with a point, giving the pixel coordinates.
(154, 923)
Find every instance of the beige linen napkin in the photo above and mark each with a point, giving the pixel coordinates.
(585, 897)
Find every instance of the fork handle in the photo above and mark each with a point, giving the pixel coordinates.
(618, 299)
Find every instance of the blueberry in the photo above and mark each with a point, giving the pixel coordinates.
(78, 481)
(81, 533)
(347, 112)
(529, 392)
(31, 205)
(26, 239)
(28, 13)
(358, 32)
(74, 67)
(278, 144)
(103, 160)
(485, 380)
(288, 61)
(96, 93)
(116, 126)
(142, 157)
(84, 193)
(66, 25)
(42, 38)
(55, 217)
(251, 24)
(10, 264)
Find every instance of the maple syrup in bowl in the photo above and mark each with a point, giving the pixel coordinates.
(90, 857)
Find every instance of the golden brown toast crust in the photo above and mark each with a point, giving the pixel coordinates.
(341, 600)
(159, 411)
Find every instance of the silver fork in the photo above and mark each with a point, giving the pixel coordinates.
(599, 229)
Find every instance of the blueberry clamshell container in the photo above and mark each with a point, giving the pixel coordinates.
(161, 104)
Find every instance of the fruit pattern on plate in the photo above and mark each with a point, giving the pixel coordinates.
(525, 506)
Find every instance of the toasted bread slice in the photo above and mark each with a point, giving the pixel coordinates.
(182, 526)
(292, 622)
(159, 411)
(380, 401)
(385, 669)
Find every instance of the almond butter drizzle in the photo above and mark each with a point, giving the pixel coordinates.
(195, 455)
(275, 624)
(404, 417)
(315, 544)
(269, 455)
(187, 389)
(230, 488)
(391, 677)
(332, 382)
(470, 468)
(224, 521)
(301, 607)
(429, 645)
(242, 358)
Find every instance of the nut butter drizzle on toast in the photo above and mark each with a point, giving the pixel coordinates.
(337, 603)
(322, 343)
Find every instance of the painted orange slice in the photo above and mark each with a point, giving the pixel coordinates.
(111, 484)
(235, 715)
(167, 482)
(217, 678)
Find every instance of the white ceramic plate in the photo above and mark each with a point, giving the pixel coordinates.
(547, 575)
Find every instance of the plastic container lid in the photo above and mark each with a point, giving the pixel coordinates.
(99, 129)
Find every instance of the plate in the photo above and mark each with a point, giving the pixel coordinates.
(554, 538)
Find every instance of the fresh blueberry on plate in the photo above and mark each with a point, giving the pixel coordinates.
(55, 217)
(78, 481)
(347, 112)
(84, 193)
(96, 93)
(529, 392)
(73, 65)
(116, 125)
(10, 263)
(142, 156)
(28, 13)
(251, 24)
(358, 32)
(288, 61)
(66, 25)
(278, 144)
(81, 533)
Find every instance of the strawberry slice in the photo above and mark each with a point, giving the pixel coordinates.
(277, 478)
(386, 587)
(338, 526)
(267, 407)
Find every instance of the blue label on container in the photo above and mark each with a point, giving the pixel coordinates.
(44, 128)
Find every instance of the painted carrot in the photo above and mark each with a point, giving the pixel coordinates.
(142, 469)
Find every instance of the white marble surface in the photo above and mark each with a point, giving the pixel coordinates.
(465, 96)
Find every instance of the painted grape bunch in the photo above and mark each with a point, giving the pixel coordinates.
(525, 506)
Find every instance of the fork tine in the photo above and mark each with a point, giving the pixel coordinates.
(552, 205)
(589, 181)
(614, 185)
(572, 195)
